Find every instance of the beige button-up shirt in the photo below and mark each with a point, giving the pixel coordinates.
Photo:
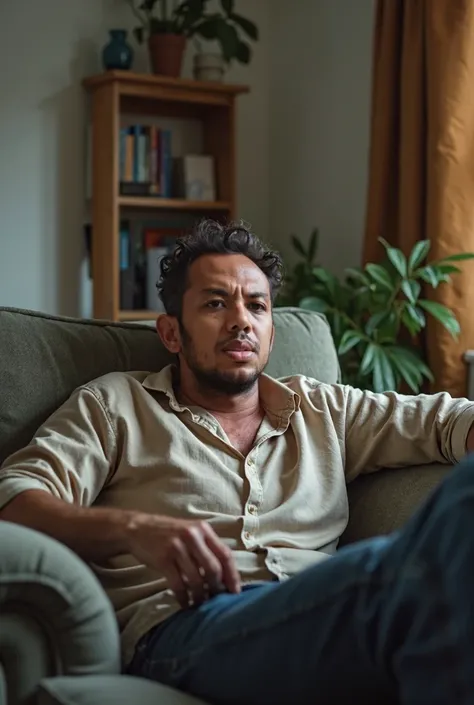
(124, 441)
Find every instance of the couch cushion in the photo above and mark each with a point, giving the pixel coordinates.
(44, 358)
(383, 501)
(109, 690)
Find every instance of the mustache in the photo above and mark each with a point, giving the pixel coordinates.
(243, 339)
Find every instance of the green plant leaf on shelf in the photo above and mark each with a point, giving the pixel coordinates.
(227, 6)
(250, 29)
(357, 275)
(418, 254)
(228, 39)
(138, 33)
(243, 53)
(349, 340)
(314, 303)
(380, 275)
(443, 315)
(411, 289)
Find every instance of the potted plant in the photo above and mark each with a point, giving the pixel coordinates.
(374, 310)
(166, 25)
(230, 30)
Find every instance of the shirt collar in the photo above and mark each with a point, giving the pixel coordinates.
(277, 398)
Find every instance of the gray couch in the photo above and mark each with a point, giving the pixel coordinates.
(58, 637)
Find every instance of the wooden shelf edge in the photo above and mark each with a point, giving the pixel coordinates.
(172, 204)
(138, 315)
(129, 77)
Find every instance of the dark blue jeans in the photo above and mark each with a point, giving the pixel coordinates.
(386, 620)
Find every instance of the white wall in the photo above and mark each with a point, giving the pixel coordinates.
(42, 135)
(320, 80)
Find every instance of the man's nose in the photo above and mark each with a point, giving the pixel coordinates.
(238, 317)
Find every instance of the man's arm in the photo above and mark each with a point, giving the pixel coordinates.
(394, 430)
(178, 548)
(51, 484)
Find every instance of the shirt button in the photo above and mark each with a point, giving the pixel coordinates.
(252, 509)
(251, 462)
(247, 535)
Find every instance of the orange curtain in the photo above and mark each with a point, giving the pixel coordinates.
(421, 173)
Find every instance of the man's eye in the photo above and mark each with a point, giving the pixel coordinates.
(215, 303)
(257, 307)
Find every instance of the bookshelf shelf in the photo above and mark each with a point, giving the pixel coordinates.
(138, 315)
(172, 204)
(124, 97)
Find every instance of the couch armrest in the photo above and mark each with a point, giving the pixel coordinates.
(382, 502)
(55, 618)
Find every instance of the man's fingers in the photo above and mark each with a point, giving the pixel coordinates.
(190, 571)
(177, 585)
(230, 574)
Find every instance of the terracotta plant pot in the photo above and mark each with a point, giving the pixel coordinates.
(166, 53)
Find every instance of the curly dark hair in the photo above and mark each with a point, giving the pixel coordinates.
(211, 237)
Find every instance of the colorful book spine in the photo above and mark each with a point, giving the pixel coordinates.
(165, 163)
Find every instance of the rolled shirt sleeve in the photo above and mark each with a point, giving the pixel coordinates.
(71, 456)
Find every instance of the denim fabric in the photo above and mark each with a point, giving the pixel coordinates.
(388, 620)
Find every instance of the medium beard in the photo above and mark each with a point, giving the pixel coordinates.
(214, 380)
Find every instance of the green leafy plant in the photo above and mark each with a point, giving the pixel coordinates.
(166, 16)
(191, 18)
(228, 28)
(376, 312)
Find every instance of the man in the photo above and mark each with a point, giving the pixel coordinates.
(209, 499)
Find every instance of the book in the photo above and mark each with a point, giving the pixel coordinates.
(194, 177)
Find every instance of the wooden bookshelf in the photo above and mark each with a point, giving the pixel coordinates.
(117, 93)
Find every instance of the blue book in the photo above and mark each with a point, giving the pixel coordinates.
(136, 152)
(122, 152)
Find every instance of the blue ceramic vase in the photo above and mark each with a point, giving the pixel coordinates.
(117, 54)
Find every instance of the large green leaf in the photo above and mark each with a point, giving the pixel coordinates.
(376, 321)
(412, 360)
(313, 245)
(411, 289)
(357, 275)
(443, 315)
(418, 254)
(314, 303)
(396, 257)
(380, 275)
(460, 257)
(384, 378)
(446, 268)
(349, 340)
(298, 246)
(250, 29)
(409, 373)
(368, 358)
(429, 275)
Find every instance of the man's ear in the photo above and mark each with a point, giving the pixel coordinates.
(168, 329)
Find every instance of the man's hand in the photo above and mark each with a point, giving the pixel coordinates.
(189, 553)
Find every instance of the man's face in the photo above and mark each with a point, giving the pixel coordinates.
(226, 333)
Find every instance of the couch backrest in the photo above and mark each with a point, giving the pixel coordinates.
(44, 358)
